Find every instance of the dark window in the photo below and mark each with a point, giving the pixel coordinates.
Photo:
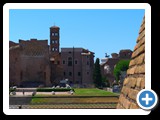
(70, 73)
(63, 61)
(58, 62)
(69, 52)
(64, 73)
(69, 61)
(79, 73)
(87, 73)
(76, 61)
(87, 62)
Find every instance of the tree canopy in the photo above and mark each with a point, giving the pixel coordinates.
(122, 65)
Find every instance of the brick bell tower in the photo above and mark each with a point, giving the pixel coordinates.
(55, 55)
(54, 39)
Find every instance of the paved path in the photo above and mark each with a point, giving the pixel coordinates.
(42, 93)
(66, 106)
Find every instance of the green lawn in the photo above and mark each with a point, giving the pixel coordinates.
(78, 92)
(73, 100)
(92, 92)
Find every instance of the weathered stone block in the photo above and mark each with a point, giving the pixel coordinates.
(126, 90)
(126, 103)
(142, 34)
(131, 70)
(142, 41)
(140, 50)
(123, 89)
(121, 98)
(126, 81)
(138, 82)
(143, 83)
(138, 60)
(119, 106)
(140, 69)
(134, 106)
(132, 82)
(133, 94)
(142, 28)
(132, 63)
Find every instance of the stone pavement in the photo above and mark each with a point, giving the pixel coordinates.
(66, 106)
(42, 93)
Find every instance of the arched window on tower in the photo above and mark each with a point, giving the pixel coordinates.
(69, 61)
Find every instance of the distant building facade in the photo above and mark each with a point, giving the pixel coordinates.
(108, 64)
(77, 65)
(34, 62)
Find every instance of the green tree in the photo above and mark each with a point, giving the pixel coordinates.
(122, 65)
(97, 74)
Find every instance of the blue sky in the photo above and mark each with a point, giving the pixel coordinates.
(101, 31)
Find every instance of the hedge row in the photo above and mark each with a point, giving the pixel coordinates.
(54, 89)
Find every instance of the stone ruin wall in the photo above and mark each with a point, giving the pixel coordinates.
(135, 80)
(29, 61)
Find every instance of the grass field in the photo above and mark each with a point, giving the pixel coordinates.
(73, 100)
(79, 97)
(92, 92)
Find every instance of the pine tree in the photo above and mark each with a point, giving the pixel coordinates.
(97, 74)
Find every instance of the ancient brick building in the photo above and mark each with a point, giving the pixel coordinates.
(135, 80)
(29, 63)
(108, 64)
(34, 62)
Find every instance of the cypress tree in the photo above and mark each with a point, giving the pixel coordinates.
(97, 74)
